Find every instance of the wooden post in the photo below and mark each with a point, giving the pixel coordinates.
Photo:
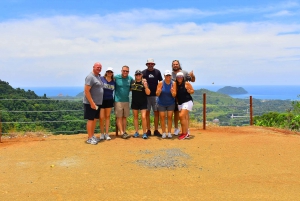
(251, 112)
(204, 111)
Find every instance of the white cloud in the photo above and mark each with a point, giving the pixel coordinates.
(60, 50)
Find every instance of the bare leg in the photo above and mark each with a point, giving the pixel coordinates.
(124, 122)
(107, 119)
(148, 119)
(184, 120)
(120, 124)
(144, 120)
(102, 119)
(162, 121)
(156, 119)
(170, 115)
(89, 128)
(136, 120)
(176, 118)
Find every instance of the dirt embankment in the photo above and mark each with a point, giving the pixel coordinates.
(220, 163)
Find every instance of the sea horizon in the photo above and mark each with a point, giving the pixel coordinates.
(266, 92)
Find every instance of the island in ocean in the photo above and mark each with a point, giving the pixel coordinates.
(232, 90)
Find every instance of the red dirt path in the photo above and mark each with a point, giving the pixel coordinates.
(224, 163)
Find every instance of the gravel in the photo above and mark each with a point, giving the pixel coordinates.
(164, 158)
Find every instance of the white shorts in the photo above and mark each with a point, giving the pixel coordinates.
(186, 106)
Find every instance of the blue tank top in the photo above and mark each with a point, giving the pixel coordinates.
(109, 88)
(166, 98)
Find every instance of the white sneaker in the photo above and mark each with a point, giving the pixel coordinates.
(102, 137)
(96, 139)
(169, 135)
(107, 137)
(163, 135)
(91, 141)
(176, 131)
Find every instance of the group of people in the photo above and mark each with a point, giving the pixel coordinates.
(167, 96)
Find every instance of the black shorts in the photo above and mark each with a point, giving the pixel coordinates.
(107, 103)
(90, 113)
(139, 106)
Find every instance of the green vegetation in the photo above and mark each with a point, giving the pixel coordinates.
(287, 120)
(24, 111)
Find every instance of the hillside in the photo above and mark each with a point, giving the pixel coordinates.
(232, 90)
(56, 115)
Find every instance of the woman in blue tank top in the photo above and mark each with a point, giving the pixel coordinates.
(166, 92)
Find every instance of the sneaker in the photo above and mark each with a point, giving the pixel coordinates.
(136, 134)
(157, 133)
(187, 136)
(182, 136)
(125, 136)
(145, 136)
(176, 131)
(91, 141)
(163, 135)
(107, 137)
(102, 137)
(148, 132)
(96, 139)
(169, 135)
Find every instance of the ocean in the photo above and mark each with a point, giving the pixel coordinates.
(266, 92)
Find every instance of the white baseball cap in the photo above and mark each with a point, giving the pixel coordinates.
(109, 69)
(167, 72)
(179, 74)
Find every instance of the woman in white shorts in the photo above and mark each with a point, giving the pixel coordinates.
(185, 103)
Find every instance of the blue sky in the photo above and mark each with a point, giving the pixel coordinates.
(55, 43)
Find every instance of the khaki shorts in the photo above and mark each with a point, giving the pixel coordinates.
(122, 109)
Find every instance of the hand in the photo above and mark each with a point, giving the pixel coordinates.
(172, 88)
(192, 73)
(145, 83)
(94, 106)
(189, 87)
(159, 88)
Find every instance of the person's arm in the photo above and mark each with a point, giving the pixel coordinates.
(147, 90)
(193, 78)
(159, 88)
(88, 96)
(174, 89)
(189, 88)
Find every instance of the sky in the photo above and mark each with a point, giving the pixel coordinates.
(229, 43)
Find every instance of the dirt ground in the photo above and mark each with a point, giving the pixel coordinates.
(219, 163)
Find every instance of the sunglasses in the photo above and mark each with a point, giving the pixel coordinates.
(109, 71)
(125, 71)
(137, 74)
(167, 75)
(179, 76)
(150, 64)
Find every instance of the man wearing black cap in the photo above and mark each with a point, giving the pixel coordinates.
(153, 76)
